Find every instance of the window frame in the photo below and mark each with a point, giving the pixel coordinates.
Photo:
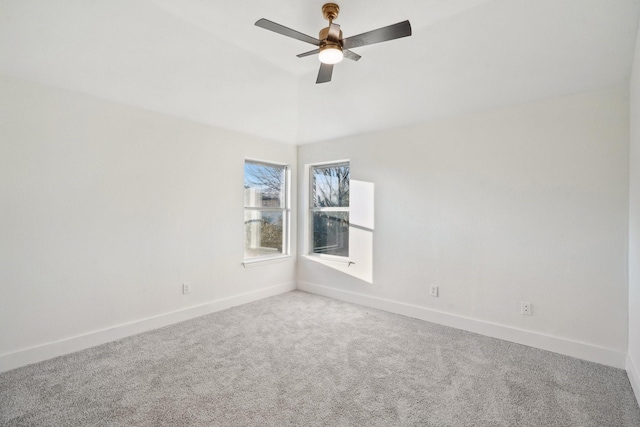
(284, 209)
(311, 209)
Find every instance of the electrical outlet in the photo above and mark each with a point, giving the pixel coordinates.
(525, 308)
(433, 291)
(186, 288)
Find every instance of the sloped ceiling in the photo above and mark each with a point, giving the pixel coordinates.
(205, 60)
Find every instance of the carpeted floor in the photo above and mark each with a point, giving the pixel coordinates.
(300, 359)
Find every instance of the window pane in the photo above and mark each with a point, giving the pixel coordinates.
(330, 186)
(263, 185)
(263, 233)
(331, 233)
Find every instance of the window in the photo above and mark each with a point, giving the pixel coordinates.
(266, 210)
(329, 209)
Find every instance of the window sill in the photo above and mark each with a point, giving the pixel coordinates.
(250, 263)
(328, 258)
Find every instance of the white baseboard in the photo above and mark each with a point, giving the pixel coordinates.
(564, 346)
(634, 377)
(39, 353)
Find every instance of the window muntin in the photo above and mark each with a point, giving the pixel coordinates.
(329, 209)
(266, 210)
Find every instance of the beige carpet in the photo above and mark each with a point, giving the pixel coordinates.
(300, 359)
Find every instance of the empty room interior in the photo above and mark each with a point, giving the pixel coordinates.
(302, 213)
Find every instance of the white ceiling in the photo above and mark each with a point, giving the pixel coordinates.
(206, 61)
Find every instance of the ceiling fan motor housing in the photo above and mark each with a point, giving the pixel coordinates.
(323, 36)
(330, 49)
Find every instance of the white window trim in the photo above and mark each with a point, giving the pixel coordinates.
(259, 261)
(286, 217)
(329, 258)
(308, 247)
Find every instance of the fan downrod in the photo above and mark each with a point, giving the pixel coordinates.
(330, 11)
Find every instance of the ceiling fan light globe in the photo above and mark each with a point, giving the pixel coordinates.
(330, 55)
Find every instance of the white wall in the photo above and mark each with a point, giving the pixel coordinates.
(106, 210)
(633, 361)
(528, 203)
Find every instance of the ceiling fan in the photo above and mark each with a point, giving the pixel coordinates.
(332, 48)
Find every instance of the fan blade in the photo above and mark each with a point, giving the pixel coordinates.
(350, 55)
(280, 29)
(395, 31)
(311, 52)
(334, 33)
(324, 75)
